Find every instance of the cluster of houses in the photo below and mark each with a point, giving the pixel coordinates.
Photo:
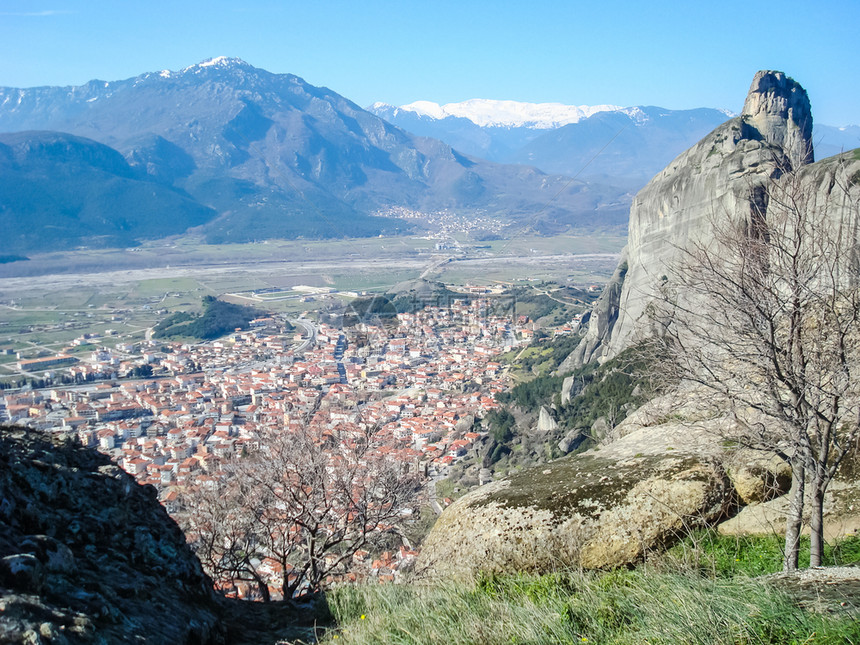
(420, 381)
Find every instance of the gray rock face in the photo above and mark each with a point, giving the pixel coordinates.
(777, 109)
(545, 421)
(88, 555)
(566, 387)
(724, 175)
(603, 316)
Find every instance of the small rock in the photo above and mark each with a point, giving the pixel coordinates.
(54, 555)
(30, 638)
(22, 571)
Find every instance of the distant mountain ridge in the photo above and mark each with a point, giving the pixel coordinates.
(603, 143)
(54, 186)
(269, 155)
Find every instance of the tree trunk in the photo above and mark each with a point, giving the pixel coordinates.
(793, 521)
(262, 587)
(816, 526)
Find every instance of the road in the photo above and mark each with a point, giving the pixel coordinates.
(311, 333)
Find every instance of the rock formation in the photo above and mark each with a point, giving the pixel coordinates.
(605, 507)
(777, 111)
(669, 467)
(545, 421)
(601, 321)
(725, 175)
(665, 469)
(88, 555)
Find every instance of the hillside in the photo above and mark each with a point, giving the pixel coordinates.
(60, 191)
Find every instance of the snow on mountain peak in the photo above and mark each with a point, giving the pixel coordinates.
(212, 62)
(218, 61)
(496, 113)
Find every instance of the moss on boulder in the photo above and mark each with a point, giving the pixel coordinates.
(603, 508)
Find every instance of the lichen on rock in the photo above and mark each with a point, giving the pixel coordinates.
(602, 508)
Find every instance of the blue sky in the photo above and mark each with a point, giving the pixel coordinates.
(672, 54)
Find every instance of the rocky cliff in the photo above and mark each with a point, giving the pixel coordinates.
(725, 175)
(89, 556)
(666, 468)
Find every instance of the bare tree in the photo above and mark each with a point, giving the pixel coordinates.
(220, 523)
(766, 314)
(311, 498)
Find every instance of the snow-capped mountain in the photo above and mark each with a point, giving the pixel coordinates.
(609, 143)
(623, 146)
(246, 154)
(489, 113)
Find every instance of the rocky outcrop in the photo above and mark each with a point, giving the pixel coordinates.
(824, 590)
(603, 508)
(566, 388)
(545, 421)
(88, 555)
(571, 440)
(725, 175)
(600, 323)
(673, 464)
(777, 111)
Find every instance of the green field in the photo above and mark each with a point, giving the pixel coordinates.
(54, 298)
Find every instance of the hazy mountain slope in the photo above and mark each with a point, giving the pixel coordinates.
(277, 157)
(628, 147)
(562, 139)
(60, 191)
(831, 141)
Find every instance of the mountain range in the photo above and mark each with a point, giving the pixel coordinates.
(234, 153)
(623, 146)
(237, 153)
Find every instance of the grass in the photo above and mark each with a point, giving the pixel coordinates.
(618, 607)
(703, 592)
(708, 552)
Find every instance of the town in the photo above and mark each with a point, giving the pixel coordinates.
(420, 380)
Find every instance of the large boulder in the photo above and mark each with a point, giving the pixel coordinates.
(603, 508)
(675, 464)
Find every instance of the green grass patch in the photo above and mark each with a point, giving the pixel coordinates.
(708, 551)
(620, 607)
